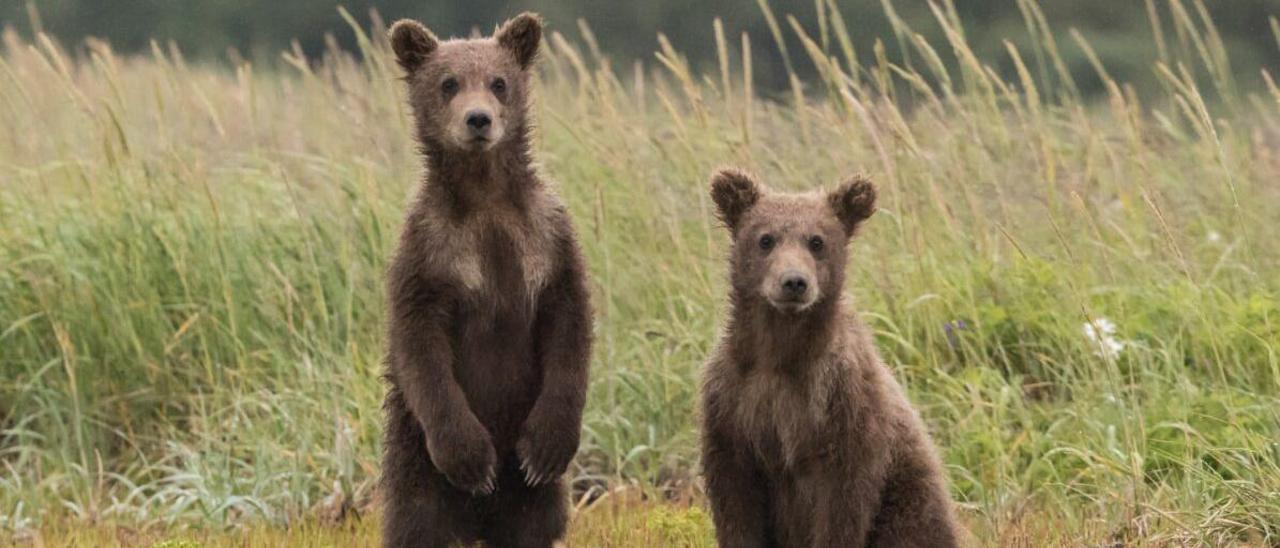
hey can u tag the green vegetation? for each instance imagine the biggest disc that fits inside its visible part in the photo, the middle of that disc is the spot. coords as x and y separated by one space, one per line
1119 32
191 262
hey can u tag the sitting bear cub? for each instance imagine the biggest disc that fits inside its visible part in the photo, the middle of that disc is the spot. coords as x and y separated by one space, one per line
807 440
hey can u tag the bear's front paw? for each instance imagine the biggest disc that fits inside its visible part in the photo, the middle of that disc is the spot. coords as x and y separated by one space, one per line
545 452
466 457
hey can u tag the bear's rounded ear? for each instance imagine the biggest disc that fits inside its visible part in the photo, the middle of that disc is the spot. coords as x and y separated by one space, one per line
734 193
412 42
853 202
521 37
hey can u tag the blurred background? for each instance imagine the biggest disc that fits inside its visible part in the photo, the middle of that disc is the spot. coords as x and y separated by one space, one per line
1120 30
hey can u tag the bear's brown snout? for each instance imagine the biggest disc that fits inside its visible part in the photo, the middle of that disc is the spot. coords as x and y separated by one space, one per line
794 285
479 122
790 283
477 119
479 125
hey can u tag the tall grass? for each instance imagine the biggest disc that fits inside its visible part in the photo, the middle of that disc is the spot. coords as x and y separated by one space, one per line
191 262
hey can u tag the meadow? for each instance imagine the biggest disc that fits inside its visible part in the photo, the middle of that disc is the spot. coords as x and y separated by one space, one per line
1081 294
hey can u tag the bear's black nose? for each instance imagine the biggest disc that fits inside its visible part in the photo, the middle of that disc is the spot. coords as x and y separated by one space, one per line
795 286
478 120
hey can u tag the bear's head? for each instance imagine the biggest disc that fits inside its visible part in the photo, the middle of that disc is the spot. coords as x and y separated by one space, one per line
789 250
468 95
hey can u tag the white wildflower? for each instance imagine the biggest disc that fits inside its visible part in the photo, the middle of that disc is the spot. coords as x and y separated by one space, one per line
1102 333
1214 237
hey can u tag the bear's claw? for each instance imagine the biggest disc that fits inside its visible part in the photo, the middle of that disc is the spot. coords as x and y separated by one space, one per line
541 464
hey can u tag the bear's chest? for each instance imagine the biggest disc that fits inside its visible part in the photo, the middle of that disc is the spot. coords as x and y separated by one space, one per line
505 261
508 259
780 419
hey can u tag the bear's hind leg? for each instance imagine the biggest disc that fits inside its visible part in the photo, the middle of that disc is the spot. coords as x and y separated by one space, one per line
425 520
530 517
915 509
419 507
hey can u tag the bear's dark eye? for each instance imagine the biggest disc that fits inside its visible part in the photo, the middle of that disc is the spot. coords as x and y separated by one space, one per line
450 85
767 241
499 85
816 243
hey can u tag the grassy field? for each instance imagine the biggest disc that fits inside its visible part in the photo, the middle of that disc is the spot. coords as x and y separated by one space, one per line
1081 295
613 524
607 526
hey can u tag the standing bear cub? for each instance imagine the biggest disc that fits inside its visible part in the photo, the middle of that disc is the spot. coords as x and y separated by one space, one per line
807 438
489 320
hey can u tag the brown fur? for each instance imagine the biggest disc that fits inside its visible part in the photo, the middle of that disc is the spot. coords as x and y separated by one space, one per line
489 320
807 438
